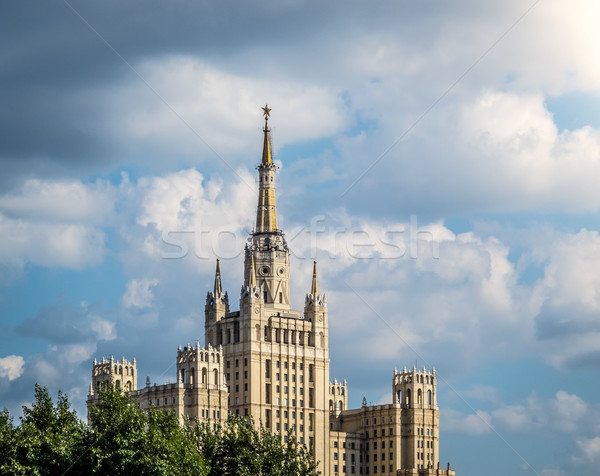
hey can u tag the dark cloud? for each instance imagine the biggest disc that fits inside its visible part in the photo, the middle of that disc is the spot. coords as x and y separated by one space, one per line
558 321
62 323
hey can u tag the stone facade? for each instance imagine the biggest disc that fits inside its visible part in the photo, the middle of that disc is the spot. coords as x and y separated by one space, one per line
271 362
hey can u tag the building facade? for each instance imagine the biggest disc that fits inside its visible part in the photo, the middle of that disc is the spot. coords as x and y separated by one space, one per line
271 362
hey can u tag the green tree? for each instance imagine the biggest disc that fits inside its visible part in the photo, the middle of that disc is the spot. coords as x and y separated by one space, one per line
126 440
122 440
48 439
237 447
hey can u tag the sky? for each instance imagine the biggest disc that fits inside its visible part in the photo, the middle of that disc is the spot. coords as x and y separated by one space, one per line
440 161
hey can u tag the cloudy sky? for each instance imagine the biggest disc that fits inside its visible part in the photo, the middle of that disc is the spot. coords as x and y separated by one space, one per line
439 159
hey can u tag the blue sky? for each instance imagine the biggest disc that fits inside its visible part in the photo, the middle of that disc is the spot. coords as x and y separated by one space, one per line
440 161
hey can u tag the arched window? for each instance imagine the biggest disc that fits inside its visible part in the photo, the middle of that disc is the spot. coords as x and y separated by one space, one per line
129 386
118 383
204 377
192 375
216 376
429 397
340 405
399 396
408 397
419 397
330 405
182 375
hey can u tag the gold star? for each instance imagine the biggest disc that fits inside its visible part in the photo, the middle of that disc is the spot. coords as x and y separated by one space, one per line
267 110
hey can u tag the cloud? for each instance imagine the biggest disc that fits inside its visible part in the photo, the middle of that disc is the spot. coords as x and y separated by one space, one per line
208 109
68 324
55 223
590 447
565 413
60 201
139 293
11 367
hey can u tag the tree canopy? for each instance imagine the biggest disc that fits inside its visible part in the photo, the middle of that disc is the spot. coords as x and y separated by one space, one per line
123 439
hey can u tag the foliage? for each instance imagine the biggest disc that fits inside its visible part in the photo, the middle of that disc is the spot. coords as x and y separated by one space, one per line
123 439
237 447
48 440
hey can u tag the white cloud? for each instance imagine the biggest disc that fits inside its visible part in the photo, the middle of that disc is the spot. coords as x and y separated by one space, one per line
11 367
590 447
55 223
472 424
105 330
564 413
219 106
60 201
139 293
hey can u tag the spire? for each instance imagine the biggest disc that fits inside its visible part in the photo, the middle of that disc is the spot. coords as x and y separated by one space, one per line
267 158
252 280
218 290
315 283
266 216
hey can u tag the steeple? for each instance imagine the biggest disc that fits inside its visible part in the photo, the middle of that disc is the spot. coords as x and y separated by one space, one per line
217 289
266 215
315 283
266 156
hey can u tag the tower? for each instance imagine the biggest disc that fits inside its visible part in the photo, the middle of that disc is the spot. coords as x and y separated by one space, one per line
217 305
121 373
276 358
415 391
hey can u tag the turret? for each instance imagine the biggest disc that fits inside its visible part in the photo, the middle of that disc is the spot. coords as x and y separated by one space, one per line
217 305
315 310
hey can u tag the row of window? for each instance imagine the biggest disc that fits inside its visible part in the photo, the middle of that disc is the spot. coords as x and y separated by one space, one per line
420 444
383 467
391 445
288 336
382 434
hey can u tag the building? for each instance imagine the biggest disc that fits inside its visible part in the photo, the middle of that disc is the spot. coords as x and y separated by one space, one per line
271 362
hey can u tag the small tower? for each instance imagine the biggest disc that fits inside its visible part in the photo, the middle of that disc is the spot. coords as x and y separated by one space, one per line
217 305
315 310
416 392
122 374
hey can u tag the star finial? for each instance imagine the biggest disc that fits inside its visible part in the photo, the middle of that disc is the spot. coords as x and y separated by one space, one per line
267 111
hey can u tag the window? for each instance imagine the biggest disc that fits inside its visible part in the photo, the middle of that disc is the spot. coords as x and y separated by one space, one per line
237 362
335 456
228 364
245 362
280 298
268 368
